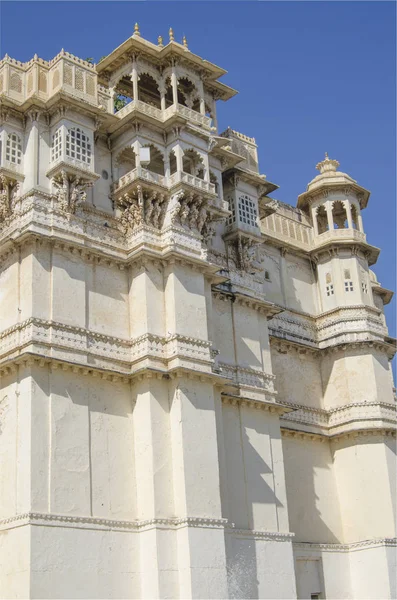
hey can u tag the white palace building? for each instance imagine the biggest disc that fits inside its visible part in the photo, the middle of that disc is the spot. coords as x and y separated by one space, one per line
196 398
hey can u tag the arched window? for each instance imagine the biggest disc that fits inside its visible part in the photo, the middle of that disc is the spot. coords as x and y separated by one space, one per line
354 217
148 90
214 180
14 149
339 215
193 163
56 147
187 92
173 165
78 146
156 164
322 220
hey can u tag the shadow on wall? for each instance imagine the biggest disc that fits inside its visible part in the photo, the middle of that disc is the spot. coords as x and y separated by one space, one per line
257 503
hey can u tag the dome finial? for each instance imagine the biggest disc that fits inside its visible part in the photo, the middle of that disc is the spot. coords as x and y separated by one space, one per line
171 34
328 164
160 41
136 29
184 41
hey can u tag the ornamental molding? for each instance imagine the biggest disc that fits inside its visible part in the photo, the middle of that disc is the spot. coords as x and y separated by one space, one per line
362 435
271 536
351 547
60 340
264 405
134 526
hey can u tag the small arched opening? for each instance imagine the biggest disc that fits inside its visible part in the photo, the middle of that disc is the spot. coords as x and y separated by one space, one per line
214 180
173 163
322 220
187 92
148 90
193 163
169 99
126 161
124 93
339 215
156 163
354 212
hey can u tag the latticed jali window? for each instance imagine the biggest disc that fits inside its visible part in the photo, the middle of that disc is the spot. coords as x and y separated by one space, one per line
78 146
56 148
14 149
247 211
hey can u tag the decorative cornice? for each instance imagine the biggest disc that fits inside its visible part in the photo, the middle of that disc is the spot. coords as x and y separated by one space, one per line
271 536
346 435
351 547
135 526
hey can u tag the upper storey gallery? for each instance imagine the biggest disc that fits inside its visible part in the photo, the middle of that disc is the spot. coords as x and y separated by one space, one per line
160 81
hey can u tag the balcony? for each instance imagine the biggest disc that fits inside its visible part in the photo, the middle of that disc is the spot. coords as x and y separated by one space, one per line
139 107
187 113
340 234
11 170
195 182
77 167
139 173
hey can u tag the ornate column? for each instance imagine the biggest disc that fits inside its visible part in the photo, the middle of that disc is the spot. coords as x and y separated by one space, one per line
167 170
314 220
202 102
174 84
162 97
348 209
330 218
134 78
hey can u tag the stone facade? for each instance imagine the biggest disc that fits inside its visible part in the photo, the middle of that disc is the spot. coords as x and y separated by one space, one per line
196 398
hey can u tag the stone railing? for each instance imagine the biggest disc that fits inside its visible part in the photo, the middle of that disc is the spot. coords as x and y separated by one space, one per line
139 106
139 173
350 234
6 164
189 114
164 115
182 177
282 228
73 162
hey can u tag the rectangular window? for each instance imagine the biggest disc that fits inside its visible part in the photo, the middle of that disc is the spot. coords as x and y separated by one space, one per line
364 287
330 289
247 211
348 286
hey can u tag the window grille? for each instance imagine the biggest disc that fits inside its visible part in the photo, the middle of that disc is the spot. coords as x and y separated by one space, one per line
14 149
364 287
348 286
247 211
77 145
232 218
56 148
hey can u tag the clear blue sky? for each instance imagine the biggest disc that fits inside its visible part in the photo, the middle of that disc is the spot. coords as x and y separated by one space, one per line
312 77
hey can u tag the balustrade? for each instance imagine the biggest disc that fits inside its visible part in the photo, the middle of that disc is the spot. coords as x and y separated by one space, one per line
173 180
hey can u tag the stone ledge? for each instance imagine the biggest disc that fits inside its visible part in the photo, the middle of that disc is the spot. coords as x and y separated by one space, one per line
351 547
54 520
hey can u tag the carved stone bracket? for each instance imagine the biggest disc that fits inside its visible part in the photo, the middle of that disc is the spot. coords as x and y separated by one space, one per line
243 252
142 207
8 190
70 190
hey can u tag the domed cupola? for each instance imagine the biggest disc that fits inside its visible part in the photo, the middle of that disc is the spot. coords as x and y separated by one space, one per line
334 201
